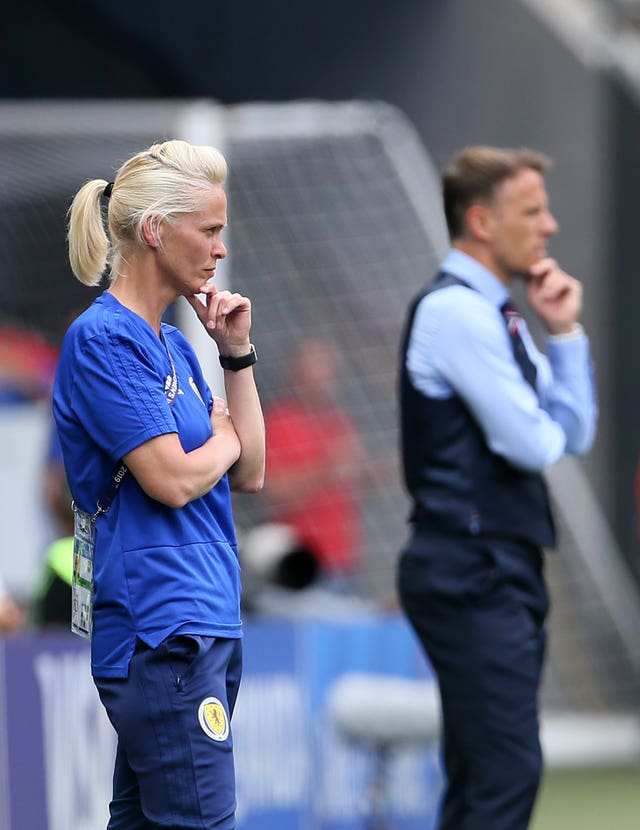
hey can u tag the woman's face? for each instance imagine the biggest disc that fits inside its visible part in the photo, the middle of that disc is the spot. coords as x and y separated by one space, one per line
191 249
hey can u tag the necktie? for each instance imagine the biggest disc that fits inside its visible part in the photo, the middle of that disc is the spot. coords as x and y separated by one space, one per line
514 321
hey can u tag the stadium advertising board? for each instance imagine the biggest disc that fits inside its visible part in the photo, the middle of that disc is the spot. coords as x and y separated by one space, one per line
294 768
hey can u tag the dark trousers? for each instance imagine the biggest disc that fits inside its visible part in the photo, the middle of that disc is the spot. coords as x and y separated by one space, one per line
174 760
478 606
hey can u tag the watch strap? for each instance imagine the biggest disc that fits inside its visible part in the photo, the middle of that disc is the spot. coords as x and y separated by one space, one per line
234 364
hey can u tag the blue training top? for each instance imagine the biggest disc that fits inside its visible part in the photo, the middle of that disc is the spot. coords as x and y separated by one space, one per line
157 569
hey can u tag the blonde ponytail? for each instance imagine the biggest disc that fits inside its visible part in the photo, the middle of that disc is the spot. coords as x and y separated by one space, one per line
88 242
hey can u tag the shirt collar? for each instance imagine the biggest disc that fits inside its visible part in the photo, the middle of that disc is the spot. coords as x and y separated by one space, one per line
476 275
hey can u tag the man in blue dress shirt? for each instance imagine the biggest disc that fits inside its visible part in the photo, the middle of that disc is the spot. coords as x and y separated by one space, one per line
483 412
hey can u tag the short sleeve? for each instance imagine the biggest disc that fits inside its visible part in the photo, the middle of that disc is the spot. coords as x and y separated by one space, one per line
119 392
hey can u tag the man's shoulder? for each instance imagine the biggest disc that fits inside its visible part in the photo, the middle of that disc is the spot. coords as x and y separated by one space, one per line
456 301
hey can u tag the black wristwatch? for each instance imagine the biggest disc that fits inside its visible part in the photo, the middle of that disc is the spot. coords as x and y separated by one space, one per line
234 364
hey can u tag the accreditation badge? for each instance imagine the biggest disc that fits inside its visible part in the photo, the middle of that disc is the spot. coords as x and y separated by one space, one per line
84 536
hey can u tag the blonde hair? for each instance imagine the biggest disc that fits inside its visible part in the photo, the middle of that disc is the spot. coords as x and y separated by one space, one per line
164 183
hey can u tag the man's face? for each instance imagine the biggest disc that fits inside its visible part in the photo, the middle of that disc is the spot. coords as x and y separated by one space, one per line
519 224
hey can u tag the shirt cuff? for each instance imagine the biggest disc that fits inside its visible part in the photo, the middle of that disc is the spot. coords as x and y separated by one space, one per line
576 331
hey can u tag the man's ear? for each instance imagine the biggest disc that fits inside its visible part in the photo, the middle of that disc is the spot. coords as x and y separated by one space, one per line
150 231
479 221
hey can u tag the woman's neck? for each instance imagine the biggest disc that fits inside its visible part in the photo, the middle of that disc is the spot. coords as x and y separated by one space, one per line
140 290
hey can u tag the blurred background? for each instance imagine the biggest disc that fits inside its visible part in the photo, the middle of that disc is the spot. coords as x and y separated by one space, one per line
336 119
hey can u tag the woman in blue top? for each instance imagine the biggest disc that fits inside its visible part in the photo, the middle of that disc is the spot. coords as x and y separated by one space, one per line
165 650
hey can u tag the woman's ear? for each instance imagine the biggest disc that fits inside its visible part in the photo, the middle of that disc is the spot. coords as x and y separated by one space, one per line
150 231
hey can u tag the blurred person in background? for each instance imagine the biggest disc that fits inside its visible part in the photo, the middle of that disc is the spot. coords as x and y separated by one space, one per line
51 605
27 365
315 461
51 602
483 412
144 439
12 617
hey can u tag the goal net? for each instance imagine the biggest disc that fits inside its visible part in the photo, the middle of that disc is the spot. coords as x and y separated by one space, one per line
334 224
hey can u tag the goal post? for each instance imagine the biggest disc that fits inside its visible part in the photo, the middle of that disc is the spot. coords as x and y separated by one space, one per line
335 222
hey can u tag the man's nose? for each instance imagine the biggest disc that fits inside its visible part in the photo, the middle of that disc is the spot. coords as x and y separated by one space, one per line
551 227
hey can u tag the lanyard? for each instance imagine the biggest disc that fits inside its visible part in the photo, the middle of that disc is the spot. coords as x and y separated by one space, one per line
84 545
106 500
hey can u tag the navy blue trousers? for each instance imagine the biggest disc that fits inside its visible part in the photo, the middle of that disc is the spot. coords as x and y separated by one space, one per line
478 606
174 760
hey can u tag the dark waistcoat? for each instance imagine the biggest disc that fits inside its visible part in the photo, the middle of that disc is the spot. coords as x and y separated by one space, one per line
458 485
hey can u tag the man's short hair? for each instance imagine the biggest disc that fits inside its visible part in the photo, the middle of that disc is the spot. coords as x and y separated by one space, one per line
474 173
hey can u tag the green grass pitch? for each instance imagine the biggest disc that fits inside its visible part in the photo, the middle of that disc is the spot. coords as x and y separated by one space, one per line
589 799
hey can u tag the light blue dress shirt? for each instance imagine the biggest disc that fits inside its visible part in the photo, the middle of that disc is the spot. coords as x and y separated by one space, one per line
459 344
